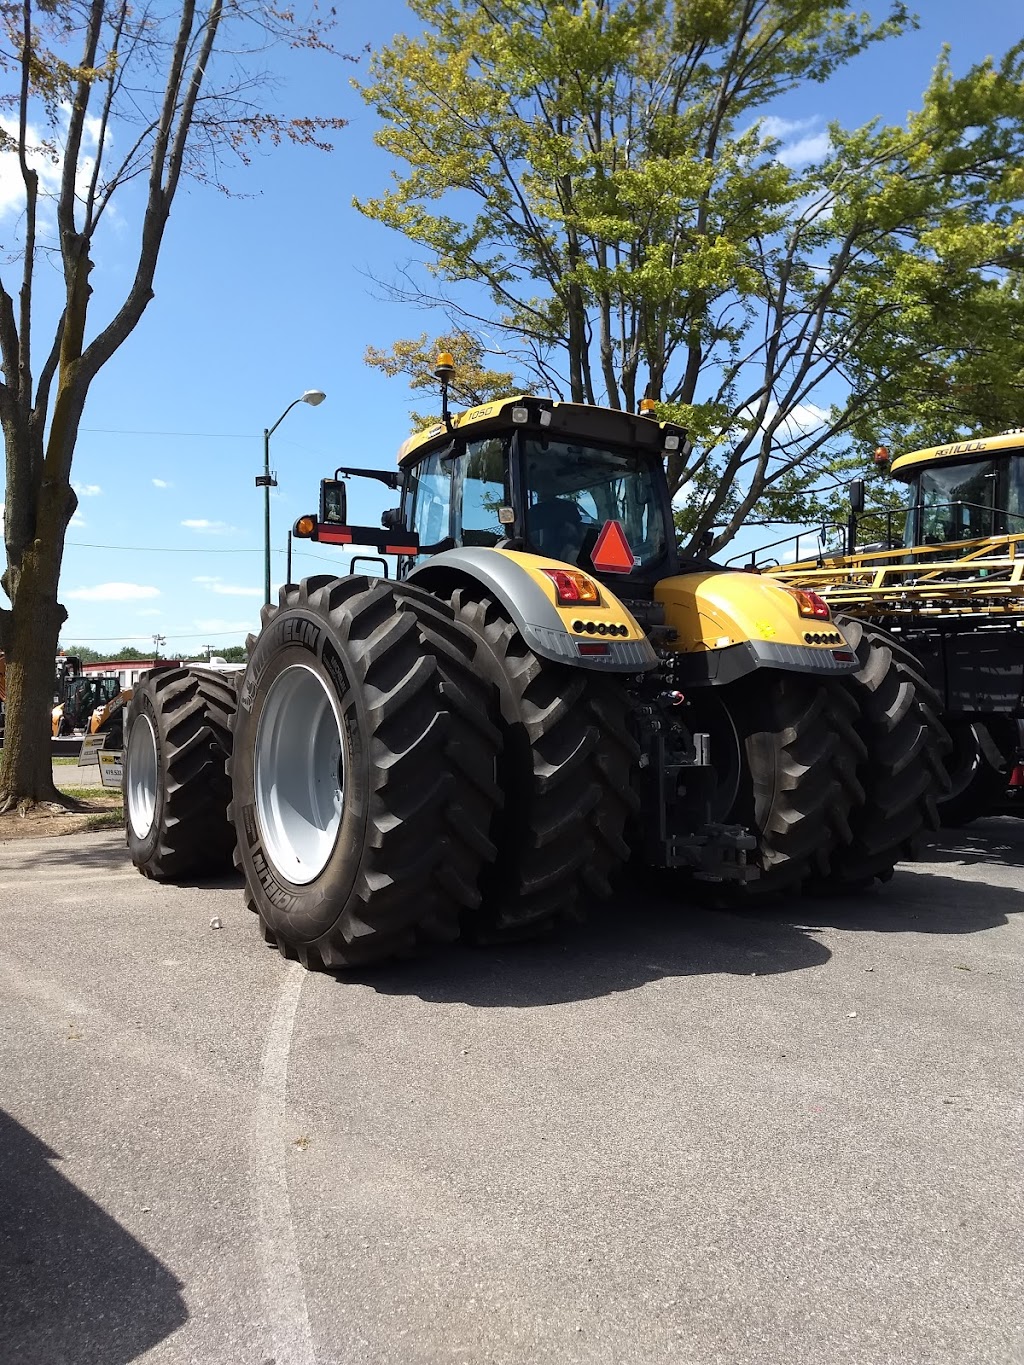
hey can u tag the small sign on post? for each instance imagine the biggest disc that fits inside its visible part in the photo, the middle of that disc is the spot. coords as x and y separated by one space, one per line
88 755
111 771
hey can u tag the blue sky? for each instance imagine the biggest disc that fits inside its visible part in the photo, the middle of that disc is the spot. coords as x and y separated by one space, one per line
262 296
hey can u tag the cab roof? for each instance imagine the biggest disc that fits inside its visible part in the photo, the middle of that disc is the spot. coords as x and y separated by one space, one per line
904 466
584 421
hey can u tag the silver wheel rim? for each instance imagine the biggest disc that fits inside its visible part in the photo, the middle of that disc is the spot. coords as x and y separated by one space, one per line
141 776
299 774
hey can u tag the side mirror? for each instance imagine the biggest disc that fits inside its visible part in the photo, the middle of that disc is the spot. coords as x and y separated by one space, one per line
333 502
857 496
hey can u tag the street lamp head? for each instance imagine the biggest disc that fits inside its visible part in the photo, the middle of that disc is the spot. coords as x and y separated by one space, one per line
313 397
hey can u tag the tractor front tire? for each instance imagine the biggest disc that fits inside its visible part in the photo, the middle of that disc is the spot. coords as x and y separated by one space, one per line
363 772
902 770
566 769
176 792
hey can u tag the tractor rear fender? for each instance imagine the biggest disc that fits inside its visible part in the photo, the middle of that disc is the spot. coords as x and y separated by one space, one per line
602 636
729 623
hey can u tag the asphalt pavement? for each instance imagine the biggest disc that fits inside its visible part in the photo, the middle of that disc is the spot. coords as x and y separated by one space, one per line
678 1135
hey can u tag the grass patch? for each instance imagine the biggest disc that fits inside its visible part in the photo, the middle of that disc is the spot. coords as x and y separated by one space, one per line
91 793
64 762
109 819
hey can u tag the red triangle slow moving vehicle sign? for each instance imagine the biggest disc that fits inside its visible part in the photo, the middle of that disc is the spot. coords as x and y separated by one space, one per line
612 554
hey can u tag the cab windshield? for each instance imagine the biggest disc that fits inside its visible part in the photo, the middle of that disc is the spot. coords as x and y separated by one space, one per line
573 490
967 501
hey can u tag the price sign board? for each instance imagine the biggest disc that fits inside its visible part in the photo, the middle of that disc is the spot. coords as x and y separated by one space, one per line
111 771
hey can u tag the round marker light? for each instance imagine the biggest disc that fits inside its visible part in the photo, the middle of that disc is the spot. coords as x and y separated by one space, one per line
305 526
520 415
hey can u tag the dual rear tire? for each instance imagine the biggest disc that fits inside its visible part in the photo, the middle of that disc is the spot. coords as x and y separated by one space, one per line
838 779
354 786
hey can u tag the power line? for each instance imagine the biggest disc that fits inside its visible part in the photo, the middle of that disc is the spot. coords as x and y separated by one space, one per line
196 550
206 435
174 635
171 549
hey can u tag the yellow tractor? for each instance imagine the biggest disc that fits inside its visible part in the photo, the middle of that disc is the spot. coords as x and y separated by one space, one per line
945 576
544 690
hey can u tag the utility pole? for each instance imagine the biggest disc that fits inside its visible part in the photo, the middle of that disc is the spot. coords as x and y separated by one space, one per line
158 640
267 481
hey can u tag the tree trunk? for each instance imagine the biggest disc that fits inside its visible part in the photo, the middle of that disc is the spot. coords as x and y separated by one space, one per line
26 772
31 632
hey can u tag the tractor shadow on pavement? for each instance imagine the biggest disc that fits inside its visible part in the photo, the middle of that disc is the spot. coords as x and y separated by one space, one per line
643 936
912 903
625 945
999 842
77 1287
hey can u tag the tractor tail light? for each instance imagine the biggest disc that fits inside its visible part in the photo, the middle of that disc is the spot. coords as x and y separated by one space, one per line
1017 776
573 588
810 604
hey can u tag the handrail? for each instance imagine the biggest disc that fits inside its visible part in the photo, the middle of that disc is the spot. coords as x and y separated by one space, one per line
820 532
987 574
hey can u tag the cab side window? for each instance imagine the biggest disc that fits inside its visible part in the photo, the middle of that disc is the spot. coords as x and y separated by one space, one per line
480 492
430 495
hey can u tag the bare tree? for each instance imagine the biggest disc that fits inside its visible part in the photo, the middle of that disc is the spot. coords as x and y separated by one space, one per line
123 93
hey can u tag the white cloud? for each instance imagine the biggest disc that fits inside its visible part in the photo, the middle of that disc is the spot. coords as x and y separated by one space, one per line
49 171
87 490
218 528
228 589
781 128
812 146
162 483
216 625
78 521
113 592
803 418
808 149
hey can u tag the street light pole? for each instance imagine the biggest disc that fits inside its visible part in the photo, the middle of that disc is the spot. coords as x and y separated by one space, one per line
266 480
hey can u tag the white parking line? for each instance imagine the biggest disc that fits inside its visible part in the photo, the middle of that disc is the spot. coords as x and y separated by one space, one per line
284 1296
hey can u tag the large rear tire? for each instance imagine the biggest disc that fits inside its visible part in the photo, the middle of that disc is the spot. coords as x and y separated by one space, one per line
566 770
786 754
902 770
176 792
363 773
979 775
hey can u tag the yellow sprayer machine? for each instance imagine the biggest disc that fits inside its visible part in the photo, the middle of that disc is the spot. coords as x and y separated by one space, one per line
945 576
543 692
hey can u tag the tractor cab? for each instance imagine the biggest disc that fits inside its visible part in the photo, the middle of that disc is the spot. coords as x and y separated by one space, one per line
969 490
579 485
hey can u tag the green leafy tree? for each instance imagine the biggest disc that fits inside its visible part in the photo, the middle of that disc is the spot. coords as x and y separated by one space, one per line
99 97
598 184
472 383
